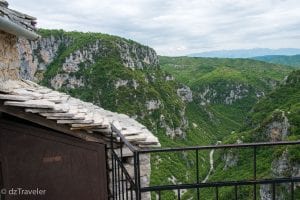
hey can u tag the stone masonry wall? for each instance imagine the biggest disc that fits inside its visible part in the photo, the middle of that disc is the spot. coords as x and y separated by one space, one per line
9 57
128 161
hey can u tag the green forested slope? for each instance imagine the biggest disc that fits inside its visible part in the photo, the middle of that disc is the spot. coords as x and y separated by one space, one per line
225 88
105 79
284 60
192 70
212 80
275 117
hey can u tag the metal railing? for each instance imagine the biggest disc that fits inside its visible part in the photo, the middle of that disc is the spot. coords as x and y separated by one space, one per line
137 190
122 186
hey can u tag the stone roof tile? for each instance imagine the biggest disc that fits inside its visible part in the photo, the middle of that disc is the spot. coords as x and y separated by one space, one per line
76 114
17 17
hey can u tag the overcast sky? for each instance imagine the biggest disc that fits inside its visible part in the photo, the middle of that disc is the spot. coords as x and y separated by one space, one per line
177 27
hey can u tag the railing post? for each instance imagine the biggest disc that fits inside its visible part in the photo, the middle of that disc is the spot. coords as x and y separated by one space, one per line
137 176
107 171
112 166
122 177
197 172
254 171
292 190
273 191
236 192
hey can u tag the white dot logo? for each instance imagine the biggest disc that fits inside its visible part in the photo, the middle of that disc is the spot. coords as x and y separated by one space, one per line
3 191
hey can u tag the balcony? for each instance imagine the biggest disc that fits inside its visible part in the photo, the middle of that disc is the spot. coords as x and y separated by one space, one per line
125 186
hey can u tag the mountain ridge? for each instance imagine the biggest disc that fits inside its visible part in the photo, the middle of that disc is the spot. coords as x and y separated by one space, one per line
246 53
293 61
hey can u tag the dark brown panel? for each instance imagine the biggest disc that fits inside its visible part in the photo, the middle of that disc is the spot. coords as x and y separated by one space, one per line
1 183
66 167
1 178
19 113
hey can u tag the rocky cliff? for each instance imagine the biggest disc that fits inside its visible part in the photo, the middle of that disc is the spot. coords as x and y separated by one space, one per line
118 74
224 92
36 56
276 118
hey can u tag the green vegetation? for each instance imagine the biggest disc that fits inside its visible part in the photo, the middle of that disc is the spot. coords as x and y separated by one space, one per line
237 121
225 89
224 93
190 70
284 99
281 107
100 79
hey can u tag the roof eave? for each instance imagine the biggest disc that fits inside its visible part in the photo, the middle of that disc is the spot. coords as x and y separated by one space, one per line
15 29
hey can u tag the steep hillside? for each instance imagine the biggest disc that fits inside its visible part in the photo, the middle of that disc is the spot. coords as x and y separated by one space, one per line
123 76
274 118
284 60
271 116
225 89
210 101
224 92
117 74
282 105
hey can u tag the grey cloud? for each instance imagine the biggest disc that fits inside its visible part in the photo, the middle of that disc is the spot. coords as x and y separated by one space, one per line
177 27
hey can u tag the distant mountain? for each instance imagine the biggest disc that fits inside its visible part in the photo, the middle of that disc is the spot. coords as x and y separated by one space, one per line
247 53
284 60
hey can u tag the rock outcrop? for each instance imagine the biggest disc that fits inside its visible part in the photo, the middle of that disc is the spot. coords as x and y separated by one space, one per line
153 104
281 167
136 56
275 128
179 131
230 159
224 94
36 56
185 93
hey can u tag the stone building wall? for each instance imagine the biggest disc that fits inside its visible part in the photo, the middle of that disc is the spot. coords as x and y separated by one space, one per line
9 57
128 162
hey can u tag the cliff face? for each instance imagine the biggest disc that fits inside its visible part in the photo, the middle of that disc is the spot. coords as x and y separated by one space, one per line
36 56
276 118
115 73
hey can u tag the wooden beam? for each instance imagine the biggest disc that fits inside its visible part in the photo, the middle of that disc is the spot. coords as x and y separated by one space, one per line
20 113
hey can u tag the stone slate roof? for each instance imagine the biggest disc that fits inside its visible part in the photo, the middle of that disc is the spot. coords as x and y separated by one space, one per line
19 18
73 113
